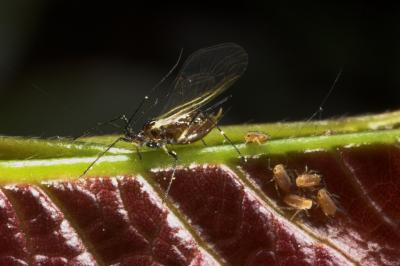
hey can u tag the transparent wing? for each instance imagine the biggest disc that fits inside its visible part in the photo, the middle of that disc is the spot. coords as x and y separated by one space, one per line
204 75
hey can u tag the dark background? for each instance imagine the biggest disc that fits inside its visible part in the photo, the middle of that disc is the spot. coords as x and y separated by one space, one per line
66 65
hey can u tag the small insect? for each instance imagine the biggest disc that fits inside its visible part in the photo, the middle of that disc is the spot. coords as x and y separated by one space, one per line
329 132
204 75
326 202
308 180
298 203
256 137
281 178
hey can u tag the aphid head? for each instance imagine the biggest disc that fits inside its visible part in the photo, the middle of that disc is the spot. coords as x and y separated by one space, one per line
137 139
279 168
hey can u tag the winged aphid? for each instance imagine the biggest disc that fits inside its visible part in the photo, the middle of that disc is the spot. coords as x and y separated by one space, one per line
203 76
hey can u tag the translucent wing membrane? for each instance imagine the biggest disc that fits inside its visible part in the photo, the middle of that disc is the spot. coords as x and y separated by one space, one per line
204 75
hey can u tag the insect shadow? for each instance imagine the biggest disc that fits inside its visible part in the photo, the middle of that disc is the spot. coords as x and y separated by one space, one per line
187 115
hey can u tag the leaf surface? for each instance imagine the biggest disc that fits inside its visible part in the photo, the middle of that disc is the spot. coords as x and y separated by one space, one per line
220 210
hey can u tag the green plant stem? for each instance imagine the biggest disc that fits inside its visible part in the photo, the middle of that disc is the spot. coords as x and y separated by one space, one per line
48 169
17 148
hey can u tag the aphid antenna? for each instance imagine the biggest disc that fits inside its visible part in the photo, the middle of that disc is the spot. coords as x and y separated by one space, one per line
130 121
307 170
87 132
100 124
325 99
54 99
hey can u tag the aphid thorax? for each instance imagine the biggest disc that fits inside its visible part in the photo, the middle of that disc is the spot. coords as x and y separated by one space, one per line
256 137
298 203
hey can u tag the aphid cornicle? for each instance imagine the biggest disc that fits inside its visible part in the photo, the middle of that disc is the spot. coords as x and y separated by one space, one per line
298 203
326 202
204 75
281 178
256 137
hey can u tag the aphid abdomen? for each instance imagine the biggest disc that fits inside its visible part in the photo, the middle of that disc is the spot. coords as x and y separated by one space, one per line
308 180
281 178
199 127
326 202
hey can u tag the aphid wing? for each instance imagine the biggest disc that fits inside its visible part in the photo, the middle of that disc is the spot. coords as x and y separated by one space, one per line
204 75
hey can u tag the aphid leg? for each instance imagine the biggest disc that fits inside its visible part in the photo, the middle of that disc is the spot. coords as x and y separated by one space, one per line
231 143
175 157
269 168
276 188
204 142
295 214
102 154
139 154
272 179
269 164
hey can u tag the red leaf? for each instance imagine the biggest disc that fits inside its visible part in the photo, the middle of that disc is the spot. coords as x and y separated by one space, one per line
214 215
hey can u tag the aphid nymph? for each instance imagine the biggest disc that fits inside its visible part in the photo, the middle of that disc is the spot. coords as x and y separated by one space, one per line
281 178
298 203
204 75
308 179
256 137
326 203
